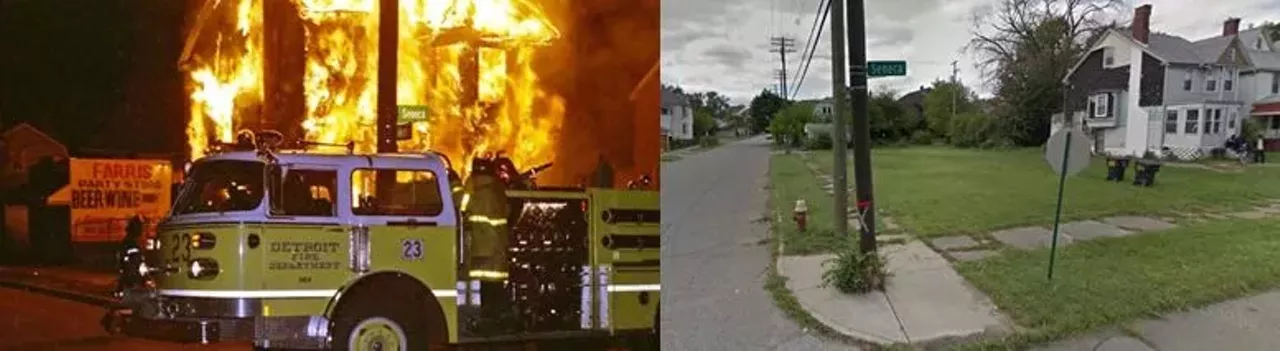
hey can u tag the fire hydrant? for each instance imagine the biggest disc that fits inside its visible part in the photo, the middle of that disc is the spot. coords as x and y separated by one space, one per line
801 215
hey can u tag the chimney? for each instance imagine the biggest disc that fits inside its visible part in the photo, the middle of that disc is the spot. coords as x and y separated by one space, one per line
1231 26
1142 23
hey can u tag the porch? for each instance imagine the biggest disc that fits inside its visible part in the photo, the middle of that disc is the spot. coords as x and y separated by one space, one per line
1267 113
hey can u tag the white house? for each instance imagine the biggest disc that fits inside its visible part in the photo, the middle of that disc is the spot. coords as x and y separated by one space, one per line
677 116
1137 91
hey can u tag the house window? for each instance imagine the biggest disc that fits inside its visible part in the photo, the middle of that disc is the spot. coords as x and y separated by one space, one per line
1210 81
1171 122
1193 121
1186 81
1275 83
1275 122
1226 80
1108 57
1102 105
1231 121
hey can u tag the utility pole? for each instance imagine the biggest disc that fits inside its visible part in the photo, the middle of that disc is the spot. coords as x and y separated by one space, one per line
861 125
838 91
781 76
955 86
388 34
782 46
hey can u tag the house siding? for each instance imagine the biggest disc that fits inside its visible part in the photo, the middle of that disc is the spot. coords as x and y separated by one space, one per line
1091 77
1153 80
1175 95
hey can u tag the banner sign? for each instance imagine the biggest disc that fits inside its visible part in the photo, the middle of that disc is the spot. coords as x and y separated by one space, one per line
105 193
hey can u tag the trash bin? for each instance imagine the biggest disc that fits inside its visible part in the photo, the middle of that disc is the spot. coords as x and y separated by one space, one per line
1116 167
1145 172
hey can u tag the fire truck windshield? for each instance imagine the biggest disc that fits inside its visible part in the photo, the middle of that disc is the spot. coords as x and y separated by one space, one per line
221 186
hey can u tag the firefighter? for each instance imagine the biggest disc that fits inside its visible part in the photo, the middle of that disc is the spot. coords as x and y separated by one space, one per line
130 276
130 255
486 214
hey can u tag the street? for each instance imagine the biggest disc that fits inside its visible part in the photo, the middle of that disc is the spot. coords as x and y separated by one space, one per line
33 321
715 255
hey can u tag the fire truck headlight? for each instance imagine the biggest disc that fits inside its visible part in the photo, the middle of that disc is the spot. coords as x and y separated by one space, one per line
203 241
203 268
143 269
152 244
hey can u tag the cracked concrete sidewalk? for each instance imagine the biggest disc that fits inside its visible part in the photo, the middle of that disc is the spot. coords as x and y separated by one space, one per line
925 302
1250 323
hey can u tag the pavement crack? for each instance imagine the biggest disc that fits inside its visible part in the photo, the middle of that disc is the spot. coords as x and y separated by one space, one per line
894 309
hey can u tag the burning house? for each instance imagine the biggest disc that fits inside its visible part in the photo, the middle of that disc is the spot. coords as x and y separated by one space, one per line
539 81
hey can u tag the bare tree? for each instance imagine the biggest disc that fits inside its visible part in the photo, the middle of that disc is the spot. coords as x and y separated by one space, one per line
1000 32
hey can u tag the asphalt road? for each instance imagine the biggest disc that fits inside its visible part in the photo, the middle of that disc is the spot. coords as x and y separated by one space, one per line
31 321
714 258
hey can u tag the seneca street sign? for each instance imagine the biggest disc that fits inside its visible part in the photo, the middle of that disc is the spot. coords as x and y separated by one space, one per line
411 113
886 68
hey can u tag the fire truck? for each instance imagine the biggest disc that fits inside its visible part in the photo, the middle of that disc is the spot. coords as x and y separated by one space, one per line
301 249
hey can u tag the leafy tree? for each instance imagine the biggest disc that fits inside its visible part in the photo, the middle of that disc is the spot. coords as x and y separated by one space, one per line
1025 47
945 100
763 109
1272 29
788 127
890 121
703 123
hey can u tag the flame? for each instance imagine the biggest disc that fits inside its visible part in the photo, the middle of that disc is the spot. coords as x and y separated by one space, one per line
229 82
446 47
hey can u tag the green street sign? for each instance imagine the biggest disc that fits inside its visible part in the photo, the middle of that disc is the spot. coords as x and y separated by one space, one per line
886 68
411 113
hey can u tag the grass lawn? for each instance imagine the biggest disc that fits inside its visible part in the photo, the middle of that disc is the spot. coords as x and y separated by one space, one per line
792 180
937 191
1108 281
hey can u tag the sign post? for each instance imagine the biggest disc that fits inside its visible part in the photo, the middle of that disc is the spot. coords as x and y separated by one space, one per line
1067 152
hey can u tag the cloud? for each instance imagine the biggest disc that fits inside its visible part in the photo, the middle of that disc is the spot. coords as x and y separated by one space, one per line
730 56
723 45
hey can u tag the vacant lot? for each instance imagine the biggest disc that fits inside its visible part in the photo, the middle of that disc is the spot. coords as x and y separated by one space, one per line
1115 280
935 191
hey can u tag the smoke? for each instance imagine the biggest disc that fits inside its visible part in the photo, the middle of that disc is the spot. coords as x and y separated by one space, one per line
605 54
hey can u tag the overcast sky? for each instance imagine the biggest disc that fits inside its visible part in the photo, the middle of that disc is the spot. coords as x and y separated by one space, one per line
723 45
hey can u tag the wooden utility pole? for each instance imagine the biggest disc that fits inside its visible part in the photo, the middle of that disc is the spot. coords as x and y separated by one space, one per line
861 126
782 46
840 168
388 38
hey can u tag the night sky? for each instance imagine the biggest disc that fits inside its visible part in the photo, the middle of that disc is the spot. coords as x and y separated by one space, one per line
94 74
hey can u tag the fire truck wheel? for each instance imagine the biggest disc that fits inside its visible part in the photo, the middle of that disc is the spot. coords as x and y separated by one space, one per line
370 325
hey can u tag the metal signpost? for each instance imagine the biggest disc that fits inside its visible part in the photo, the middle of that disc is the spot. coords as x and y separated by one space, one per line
1067 152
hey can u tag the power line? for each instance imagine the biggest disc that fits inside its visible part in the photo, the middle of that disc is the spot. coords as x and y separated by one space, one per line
810 43
826 9
782 46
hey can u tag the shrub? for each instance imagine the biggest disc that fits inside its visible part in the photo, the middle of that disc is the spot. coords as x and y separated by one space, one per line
820 141
708 141
921 137
972 129
853 272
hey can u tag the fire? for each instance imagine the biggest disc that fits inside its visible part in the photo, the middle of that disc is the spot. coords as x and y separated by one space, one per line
230 81
471 62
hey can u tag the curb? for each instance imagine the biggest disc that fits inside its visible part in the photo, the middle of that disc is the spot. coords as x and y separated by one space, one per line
80 297
944 342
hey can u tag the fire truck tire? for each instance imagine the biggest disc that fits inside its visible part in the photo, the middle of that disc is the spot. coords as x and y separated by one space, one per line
387 307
